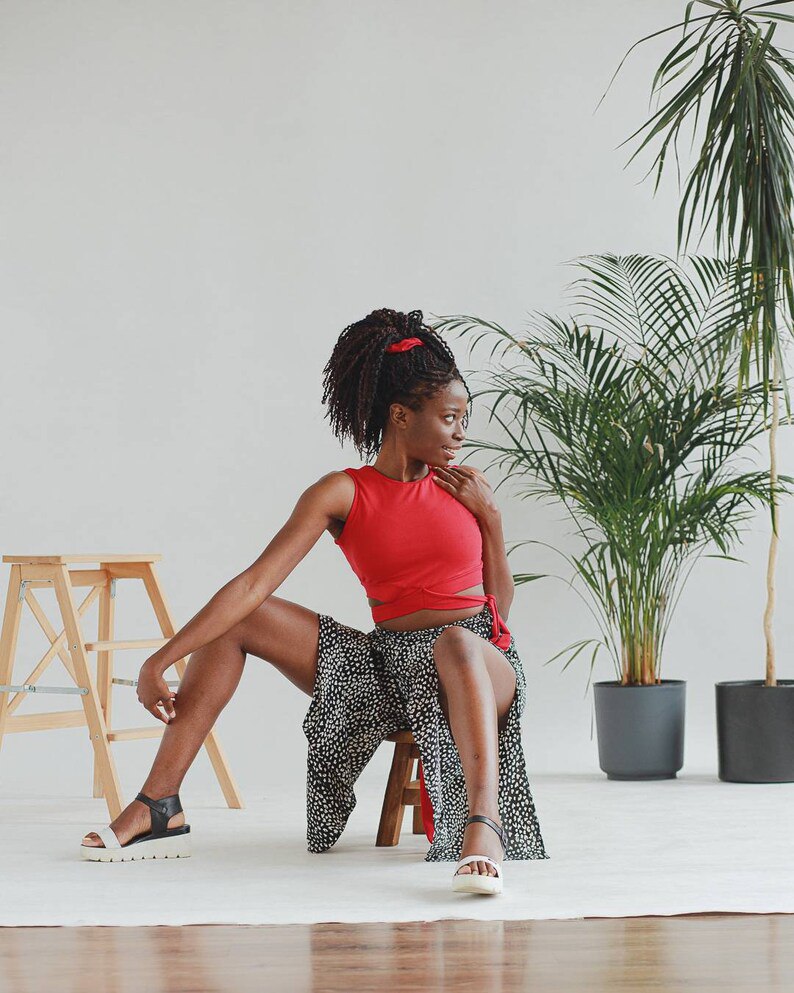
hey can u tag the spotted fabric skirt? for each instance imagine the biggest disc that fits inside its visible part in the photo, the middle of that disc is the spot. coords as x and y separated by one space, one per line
369 685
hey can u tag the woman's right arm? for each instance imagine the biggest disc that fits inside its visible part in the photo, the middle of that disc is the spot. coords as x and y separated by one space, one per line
316 507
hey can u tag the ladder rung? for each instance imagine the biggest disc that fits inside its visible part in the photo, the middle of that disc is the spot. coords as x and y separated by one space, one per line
134 682
45 722
111 646
128 734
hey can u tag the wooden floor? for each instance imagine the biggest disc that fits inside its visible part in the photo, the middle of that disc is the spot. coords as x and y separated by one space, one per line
702 953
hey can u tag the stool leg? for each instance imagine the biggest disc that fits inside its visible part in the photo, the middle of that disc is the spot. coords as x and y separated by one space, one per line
393 810
104 667
213 746
418 823
95 719
8 640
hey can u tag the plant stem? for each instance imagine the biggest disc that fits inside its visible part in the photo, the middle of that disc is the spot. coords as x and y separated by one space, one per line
773 543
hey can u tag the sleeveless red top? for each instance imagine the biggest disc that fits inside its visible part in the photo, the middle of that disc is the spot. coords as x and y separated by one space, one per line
413 546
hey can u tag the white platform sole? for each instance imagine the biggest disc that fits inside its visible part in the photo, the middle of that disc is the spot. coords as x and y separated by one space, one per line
175 847
475 882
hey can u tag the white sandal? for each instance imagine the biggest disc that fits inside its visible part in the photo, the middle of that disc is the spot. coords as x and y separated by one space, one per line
160 843
476 882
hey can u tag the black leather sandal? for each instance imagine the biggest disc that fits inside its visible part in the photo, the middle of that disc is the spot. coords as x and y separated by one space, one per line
161 842
476 882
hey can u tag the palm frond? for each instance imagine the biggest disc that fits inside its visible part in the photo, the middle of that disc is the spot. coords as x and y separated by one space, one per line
628 413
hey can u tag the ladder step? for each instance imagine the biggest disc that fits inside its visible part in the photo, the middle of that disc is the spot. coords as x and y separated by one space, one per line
111 646
129 734
45 722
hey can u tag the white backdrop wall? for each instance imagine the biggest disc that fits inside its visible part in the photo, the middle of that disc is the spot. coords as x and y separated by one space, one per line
196 199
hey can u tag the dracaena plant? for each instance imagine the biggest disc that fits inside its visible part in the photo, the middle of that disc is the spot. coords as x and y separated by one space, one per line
627 412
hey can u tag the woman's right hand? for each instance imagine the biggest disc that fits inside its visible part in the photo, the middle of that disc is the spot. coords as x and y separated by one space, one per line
154 692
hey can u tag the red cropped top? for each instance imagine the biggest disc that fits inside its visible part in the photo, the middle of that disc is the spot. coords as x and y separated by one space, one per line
413 545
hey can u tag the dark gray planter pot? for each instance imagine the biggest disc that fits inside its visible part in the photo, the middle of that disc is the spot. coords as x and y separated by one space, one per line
640 729
755 731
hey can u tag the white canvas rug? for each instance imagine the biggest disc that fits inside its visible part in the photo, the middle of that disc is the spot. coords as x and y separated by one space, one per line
688 845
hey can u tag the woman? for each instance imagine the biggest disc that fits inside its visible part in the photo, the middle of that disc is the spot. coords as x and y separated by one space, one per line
424 536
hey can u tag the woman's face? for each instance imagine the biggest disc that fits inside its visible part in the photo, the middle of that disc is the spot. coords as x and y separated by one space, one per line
435 434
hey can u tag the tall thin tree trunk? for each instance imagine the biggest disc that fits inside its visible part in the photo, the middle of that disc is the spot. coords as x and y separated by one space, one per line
770 569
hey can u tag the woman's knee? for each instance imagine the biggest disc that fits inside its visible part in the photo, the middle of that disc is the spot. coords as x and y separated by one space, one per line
246 633
458 661
456 647
231 643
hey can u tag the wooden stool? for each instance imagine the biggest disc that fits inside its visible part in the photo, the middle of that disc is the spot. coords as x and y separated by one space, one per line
29 572
401 790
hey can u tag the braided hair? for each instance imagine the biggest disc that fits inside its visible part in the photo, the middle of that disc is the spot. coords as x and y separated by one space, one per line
361 380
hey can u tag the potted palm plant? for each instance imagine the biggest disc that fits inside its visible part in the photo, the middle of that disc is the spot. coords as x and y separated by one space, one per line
626 414
736 84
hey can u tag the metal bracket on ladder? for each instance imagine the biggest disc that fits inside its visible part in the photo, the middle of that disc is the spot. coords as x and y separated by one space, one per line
134 682
25 583
32 688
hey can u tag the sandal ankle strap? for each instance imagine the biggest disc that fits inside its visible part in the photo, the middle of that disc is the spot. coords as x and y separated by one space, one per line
491 823
162 810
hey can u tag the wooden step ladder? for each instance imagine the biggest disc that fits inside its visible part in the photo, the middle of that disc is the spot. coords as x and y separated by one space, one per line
29 572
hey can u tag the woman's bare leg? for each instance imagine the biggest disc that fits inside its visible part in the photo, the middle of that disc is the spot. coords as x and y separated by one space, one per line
477 686
278 631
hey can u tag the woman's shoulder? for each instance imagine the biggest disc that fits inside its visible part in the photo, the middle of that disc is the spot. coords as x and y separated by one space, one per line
334 491
336 480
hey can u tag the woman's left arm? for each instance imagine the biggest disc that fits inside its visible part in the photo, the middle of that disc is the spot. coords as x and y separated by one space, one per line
497 577
470 486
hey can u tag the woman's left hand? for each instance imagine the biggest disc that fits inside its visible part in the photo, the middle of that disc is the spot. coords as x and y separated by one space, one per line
468 485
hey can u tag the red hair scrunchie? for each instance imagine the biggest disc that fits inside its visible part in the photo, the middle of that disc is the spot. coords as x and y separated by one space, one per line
404 344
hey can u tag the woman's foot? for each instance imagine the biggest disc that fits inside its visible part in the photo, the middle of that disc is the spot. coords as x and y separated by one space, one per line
481 839
135 819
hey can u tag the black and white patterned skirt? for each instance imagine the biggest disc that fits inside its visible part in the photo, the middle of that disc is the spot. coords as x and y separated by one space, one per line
369 685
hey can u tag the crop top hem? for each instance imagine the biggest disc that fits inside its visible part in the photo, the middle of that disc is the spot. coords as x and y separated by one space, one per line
425 598
500 633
